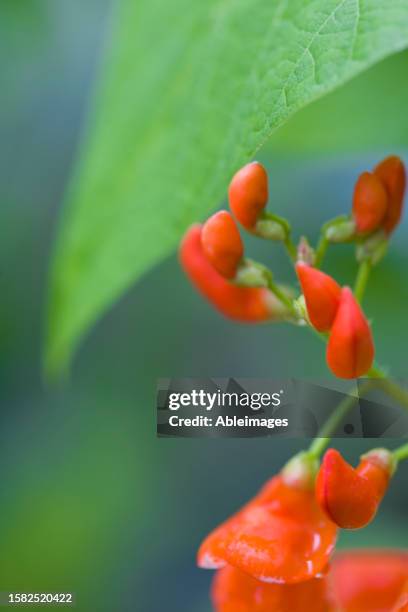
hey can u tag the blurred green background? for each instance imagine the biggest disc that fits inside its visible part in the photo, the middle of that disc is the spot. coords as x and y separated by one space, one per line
91 501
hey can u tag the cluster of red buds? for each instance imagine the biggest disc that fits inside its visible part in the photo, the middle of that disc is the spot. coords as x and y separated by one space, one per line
276 553
212 256
330 308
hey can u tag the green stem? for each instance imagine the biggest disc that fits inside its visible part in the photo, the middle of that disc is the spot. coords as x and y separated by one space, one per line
323 438
376 372
287 241
321 250
290 248
400 394
281 295
401 453
395 391
363 275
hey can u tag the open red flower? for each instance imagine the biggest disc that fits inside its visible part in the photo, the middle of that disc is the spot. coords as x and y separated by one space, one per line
356 581
222 244
369 580
322 296
402 603
280 536
246 304
248 194
391 172
235 591
350 349
350 497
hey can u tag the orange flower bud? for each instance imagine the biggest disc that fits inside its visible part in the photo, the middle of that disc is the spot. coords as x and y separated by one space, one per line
222 244
391 172
248 193
350 497
369 581
370 203
322 296
246 304
236 591
350 349
280 536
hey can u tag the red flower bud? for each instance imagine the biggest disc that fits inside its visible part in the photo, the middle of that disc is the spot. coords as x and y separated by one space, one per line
222 244
248 193
350 497
280 536
322 296
235 591
350 349
391 172
369 581
246 304
370 203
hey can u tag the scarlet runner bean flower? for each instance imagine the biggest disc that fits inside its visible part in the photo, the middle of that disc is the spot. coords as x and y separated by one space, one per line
322 296
370 203
369 580
402 603
350 349
236 591
350 497
280 536
222 244
357 581
391 172
248 194
245 304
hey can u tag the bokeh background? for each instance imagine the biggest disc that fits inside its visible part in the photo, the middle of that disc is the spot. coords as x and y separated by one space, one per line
90 500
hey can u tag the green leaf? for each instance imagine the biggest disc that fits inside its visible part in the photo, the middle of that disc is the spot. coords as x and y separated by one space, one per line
362 115
190 91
